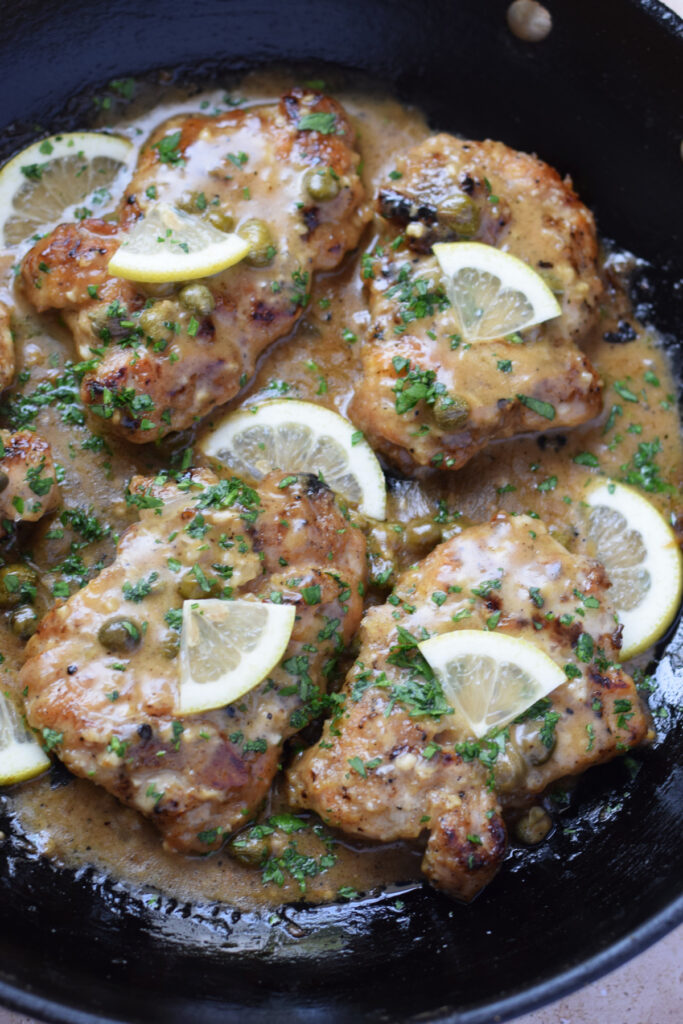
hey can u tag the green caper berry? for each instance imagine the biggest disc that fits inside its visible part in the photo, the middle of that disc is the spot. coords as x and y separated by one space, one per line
196 298
459 213
170 646
533 826
220 219
23 621
119 635
248 850
187 202
261 248
107 326
190 590
322 184
154 319
14 581
423 533
451 412
531 746
4 480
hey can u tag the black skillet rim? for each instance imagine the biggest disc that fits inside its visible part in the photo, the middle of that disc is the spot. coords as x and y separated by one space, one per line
507 1009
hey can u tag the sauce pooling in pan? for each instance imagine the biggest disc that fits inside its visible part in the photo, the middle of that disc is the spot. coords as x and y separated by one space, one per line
330 353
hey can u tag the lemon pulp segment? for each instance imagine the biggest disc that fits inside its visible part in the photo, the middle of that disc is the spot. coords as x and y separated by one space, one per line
490 678
63 177
301 437
171 245
227 648
492 293
643 561
21 756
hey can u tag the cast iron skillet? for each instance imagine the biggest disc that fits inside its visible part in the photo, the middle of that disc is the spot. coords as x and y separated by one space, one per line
600 99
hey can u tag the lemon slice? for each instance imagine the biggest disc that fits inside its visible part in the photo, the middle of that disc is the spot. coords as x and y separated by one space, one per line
64 177
642 558
490 678
171 245
227 648
301 437
21 757
491 292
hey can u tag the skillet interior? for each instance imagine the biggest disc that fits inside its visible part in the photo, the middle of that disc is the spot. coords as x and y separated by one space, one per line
610 879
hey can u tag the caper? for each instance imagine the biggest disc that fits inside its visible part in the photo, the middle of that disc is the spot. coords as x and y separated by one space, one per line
220 219
510 769
196 298
154 320
170 645
423 533
106 326
249 849
261 249
533 826
190 589
119 634
4 480
459 213
23 621
17 584
451 412
191 202
322 184
530 745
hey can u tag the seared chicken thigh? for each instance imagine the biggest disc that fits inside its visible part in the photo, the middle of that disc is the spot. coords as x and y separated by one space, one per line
6 348
398 763
426 396
450 189
28 484
286 175
102 672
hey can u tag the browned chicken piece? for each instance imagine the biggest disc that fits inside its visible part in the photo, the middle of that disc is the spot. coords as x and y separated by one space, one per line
102 671
453 189
6 348
28 485
426 397
285 174
397 764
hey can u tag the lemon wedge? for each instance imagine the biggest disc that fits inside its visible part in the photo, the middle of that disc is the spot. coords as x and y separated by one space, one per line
642 558
227 648
490 678
492 293
301 437
64 177
21 757
171 245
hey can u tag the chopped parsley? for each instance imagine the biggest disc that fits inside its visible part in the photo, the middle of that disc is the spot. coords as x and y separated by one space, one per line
416 386
136 592
324 123
168 151
544 409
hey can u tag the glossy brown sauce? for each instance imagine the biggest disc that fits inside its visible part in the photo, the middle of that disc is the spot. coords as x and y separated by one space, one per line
79 824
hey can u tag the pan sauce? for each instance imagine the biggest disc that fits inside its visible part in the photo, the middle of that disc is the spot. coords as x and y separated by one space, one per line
78 823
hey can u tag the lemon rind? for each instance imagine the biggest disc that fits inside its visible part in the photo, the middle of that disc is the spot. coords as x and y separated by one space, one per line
443 648
454 256
362 459
116 147
644 625
159 268
254 667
